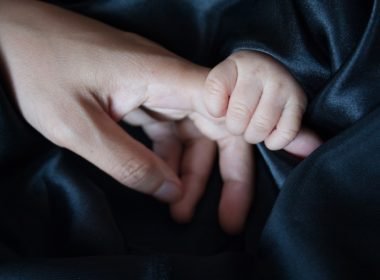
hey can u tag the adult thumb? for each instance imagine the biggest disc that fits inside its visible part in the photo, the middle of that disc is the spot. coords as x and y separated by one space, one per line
95 136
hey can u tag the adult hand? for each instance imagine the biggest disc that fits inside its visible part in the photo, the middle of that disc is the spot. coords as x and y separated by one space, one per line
73 78
184 148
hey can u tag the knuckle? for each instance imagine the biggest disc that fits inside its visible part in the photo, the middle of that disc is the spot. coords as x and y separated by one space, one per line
252 138
134 173
261 124
287 134
240 111
215 86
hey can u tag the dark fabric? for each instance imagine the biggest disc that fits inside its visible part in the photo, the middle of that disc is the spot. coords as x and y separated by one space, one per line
61 218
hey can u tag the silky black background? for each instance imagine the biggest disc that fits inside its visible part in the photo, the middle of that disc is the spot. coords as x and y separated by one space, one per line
61 218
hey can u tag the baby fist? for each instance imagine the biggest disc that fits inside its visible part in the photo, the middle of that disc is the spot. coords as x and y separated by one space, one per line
259 98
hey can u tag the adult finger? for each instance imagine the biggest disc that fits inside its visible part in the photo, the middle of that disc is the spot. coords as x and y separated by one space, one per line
304 144
196 165
165 143
237 170
177 93
91 133
162 133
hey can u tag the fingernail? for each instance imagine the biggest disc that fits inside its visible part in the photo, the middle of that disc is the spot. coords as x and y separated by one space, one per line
168 192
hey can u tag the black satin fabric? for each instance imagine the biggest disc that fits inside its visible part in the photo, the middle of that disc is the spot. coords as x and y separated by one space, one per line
61 218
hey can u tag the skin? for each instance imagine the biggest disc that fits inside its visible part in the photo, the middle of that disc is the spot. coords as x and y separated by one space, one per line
74 78
259 98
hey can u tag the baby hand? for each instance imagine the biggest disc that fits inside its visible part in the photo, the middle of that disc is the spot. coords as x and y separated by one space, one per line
259 98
